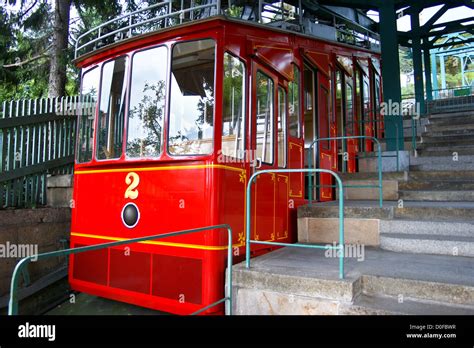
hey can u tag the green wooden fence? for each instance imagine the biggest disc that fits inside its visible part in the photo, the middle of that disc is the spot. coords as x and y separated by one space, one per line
36 140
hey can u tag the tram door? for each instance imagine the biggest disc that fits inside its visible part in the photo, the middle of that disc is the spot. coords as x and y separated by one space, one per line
268 126
318 119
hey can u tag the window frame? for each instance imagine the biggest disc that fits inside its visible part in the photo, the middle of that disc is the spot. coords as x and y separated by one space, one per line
300 105
168 91
284 127
78 142
168 99
127 93
244 106
273 123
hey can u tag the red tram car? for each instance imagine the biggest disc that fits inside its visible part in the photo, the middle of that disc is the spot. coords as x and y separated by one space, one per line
180 117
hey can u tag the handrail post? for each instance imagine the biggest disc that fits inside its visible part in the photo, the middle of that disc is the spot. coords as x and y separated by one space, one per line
248 230
13 301
228 288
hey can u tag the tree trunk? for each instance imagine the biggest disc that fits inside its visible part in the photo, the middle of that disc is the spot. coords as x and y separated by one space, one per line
57 70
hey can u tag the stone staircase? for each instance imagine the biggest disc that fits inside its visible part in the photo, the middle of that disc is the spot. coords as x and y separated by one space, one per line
441 182
420 243
431 207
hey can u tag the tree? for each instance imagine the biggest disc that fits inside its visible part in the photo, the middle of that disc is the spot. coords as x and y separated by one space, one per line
59 46
38 62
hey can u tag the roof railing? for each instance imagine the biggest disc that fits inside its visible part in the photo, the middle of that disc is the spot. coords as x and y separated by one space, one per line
289 15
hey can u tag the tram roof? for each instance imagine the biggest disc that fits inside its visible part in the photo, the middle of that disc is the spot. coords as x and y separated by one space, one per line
294 17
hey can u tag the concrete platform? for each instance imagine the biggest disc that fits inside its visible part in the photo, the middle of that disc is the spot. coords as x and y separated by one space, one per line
302 281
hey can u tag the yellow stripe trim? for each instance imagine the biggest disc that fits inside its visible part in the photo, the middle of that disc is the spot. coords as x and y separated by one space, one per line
150 242
152 169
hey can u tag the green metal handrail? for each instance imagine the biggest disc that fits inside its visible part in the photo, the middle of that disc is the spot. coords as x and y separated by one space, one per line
340 247
13 303
341 192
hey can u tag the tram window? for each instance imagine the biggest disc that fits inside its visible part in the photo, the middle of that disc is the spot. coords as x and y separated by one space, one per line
233 115
308 89
366 101
88 106
325 127
377 94
359 107
265 118
339 107
191 123
112 109
294 104
350 109
147 103
282 143
377 125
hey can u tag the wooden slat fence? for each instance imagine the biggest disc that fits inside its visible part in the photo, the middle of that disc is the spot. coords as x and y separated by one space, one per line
36 139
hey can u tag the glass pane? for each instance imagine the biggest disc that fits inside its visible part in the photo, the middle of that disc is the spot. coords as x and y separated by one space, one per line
339 109
87 109
281 128
377 125
111 109
350 109
366 100
325 118
147 103
233 115
359 109
192 98
294 103
265 118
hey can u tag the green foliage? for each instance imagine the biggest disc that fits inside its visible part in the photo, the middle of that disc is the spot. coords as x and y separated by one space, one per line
406 61
26 39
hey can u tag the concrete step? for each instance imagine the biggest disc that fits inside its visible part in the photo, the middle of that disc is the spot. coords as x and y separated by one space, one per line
452 185
463 132
411 210
405 288
437 195
437 152
446 140
441 166
428 244
415 227
450 115
466 119
402 177
447 127
439 161
445 149
374 176
388 305
467 175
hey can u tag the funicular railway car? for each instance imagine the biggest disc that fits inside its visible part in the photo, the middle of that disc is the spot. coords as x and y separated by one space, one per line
181 115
